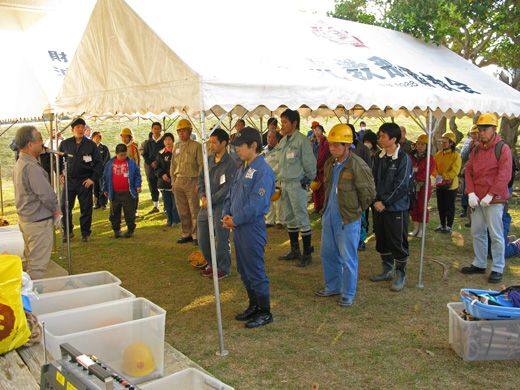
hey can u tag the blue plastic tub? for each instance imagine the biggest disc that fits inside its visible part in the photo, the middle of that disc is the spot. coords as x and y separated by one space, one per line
490 312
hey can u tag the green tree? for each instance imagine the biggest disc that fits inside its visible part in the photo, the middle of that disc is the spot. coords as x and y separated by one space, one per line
485 32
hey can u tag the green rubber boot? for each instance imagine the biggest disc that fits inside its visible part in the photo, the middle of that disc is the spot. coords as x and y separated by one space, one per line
388 270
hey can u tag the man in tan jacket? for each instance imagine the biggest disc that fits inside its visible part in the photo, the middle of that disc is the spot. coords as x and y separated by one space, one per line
184 170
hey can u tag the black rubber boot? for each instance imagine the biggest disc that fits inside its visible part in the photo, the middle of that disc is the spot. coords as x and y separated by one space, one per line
252 309
307 257
400 269
388 269
295 253
263 316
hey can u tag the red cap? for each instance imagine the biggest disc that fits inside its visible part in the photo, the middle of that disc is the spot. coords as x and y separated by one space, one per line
314 124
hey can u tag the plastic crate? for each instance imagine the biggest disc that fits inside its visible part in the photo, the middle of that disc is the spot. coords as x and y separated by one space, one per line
483 340
72 299
11 240
188 379
107 329
490 312
72 282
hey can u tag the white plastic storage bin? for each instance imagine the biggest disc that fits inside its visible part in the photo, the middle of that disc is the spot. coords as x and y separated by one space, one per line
126 334
188 379
483 340
72 299
11 240
72 282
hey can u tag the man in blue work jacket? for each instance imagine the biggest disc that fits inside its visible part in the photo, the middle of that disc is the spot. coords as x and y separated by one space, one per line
246 204
296 170
349 189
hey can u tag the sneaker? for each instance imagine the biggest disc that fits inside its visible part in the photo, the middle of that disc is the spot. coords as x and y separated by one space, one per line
207 272
118 234
195 242
447 230
325 293
440 229
97 207
155 210
85 238
184 240
463 214
511 239
473 270
345 302
495 277
167 224
128 234
278 226
269 225
468 224
71 235
103 207
362 246
221 275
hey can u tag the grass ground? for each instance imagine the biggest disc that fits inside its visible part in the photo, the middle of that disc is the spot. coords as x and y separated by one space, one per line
384 341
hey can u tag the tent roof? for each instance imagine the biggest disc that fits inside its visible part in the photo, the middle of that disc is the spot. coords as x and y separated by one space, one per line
140 57
38 38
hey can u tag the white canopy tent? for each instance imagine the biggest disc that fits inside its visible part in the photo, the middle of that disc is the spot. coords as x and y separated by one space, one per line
162 56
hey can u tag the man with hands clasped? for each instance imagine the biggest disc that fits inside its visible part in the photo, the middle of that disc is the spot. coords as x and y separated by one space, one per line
487 173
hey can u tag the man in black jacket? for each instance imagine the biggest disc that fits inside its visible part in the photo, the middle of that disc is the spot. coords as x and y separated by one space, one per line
392 172
99 196
84 168
151 148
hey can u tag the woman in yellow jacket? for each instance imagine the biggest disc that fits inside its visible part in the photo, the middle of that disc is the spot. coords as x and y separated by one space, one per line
447 168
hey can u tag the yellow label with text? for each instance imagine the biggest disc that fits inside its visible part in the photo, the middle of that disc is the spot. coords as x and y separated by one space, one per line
60 378
70 387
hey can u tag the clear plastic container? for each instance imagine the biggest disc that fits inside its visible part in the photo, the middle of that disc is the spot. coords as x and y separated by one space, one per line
72 299
188 379
72 282
106 330
483 340
11 240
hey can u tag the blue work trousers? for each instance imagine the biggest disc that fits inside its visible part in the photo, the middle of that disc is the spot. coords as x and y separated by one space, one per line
172 216
250 240
484 220
339 245
223 249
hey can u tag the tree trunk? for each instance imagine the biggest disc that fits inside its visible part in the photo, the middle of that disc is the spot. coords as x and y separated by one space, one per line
509 132
436 145
455 130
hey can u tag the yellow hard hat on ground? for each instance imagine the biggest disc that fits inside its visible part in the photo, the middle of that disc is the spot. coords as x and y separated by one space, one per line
474 129
423 138
277 193
138 359
449 135
183 124
197 260
486 120
127 131
315 185
341 133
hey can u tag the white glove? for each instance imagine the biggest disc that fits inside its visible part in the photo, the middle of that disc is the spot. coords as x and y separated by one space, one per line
438 179
486 200
473 200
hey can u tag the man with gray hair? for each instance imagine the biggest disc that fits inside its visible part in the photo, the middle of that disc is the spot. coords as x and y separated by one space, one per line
36 202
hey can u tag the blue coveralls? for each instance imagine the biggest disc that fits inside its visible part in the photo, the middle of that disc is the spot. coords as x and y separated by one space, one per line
339 245
249 198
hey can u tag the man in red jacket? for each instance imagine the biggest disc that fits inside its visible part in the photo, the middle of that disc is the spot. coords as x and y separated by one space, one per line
487 173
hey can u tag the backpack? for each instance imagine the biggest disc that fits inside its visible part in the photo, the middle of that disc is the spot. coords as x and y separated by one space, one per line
498 152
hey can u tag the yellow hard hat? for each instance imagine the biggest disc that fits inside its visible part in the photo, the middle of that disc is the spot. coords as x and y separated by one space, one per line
277 193
486 120
278 128
183 124
474 129
315 185
127 131
197 260
138 360
450 136
423 138
341 133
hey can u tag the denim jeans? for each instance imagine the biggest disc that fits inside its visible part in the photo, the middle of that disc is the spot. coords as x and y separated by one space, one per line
172 216
223 249
484 220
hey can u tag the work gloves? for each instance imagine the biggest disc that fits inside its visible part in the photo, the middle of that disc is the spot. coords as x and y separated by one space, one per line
473 200
486 200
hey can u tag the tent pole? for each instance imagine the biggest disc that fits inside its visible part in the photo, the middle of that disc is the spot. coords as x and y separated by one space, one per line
222 351
427 184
